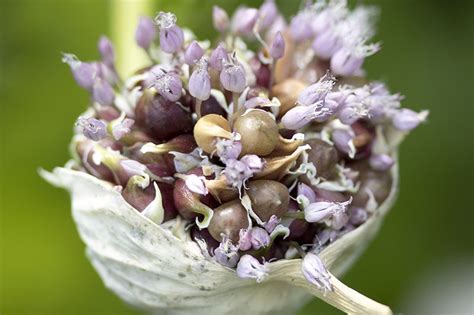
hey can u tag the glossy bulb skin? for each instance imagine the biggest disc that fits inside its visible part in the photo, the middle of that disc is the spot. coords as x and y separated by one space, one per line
259 132
229 218
162 119
268 197
324 156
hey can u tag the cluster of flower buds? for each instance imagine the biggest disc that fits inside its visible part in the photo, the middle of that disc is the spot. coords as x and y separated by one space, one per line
268 154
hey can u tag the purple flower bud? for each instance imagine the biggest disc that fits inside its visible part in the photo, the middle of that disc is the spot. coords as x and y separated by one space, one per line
268 13
352 113
146 32
256 102
218 55
244 20
92 128
316 273
271 224
168 85
250 268
122 128
233 75
133 168
321 22
193 53
260 238
103 93
84 73
200 82
300 116
316 92
345 63
322 210
326 44
381 162
171 35
343 140
106 50
228 149
253 162
308 192
331 107
300 27
245 239
220 19
196 184
406 119
227 253
277 49
339 220
237 173
358 216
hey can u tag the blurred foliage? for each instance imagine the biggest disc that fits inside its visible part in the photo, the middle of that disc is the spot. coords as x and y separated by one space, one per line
427 55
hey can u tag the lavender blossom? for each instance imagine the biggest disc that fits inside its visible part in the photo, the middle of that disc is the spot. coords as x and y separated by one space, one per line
106 50
406 119
121 128
218 55
271 224
277 49
316 273
250 268
300 116
244 20
300 26
200 81
227 253
220 19
103 93
316 92
233 75
237 172
259 238
245 239
84 73
193 53
326 44
267 14
343 141
168 85
196 184
381 162
92 128
145 33
171 35
323 210
228 149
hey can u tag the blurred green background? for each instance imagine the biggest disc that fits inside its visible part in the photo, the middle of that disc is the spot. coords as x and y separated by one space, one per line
427 55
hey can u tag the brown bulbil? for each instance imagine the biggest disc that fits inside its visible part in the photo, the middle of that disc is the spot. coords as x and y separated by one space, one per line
324 156
259 132
268 197
228 219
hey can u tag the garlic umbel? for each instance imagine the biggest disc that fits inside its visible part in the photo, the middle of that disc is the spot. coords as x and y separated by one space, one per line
220 176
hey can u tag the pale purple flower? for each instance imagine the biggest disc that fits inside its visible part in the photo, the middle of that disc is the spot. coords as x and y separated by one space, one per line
171 35
316 273
253 162
84 73
259 238
316 92
218 55
244 20
245 239
103 93
106 50
232 75
227 253
357 216
193 53
200 81
220 19
323 210
277 49
146 32
381 162
271 224
131 168
122 128
168 84
300 26
196 184
237 172
326 44
268 12
352 113
406 119
342 139
228 149
256 102
300 116
92 128
250 268
307 192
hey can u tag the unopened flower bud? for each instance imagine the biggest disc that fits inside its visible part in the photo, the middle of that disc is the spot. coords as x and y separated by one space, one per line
227 253
245 239
343 141
326 44
92 128
277 49
106 50
316 92
406 119
322 210
84 73
220 19
218 55
357 216
271 224
300 27
200 82
103 93
146 32
250 268
316 273
171 35
169 85
233 75
244 20
381 162
193 53
260 238
345 63
268 12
